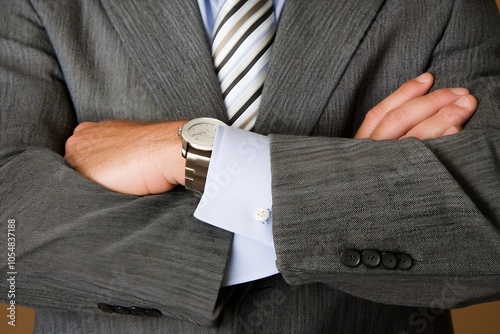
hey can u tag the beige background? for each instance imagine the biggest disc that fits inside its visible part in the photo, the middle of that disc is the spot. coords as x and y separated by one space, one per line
478 319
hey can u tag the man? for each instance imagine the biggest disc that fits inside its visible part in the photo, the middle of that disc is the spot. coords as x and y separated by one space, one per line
84 250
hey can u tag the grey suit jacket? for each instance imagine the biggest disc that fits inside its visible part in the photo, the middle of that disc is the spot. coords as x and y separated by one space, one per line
79 245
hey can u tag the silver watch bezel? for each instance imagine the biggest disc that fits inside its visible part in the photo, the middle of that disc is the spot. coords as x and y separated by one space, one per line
188 139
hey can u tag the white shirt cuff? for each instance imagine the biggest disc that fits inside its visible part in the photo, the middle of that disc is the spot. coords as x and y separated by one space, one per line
237 198
237 194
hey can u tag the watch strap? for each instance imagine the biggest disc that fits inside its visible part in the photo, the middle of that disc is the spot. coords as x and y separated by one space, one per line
197 162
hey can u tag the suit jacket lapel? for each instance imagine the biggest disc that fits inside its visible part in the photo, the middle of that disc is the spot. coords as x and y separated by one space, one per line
314 43
167 42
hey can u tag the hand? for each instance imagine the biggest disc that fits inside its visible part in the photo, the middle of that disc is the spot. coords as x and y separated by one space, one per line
410 112
128 157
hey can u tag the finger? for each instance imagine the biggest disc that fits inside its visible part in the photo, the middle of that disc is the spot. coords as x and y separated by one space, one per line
453 130
408 91
82 126
448 120
402 119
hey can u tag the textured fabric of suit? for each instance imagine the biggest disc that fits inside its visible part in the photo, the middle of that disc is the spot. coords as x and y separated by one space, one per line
438 200
64 62
266 306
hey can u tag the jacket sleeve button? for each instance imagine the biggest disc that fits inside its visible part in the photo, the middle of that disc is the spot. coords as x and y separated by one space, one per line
105 308
137 311
350 258
122 310
152 313
370 258
389 260
405 261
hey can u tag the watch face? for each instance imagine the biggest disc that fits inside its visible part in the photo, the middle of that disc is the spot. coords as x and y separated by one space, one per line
200 132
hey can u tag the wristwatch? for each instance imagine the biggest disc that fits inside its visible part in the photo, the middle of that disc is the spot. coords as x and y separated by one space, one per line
198 137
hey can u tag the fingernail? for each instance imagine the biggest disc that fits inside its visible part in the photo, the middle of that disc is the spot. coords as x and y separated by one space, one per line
423 78
459 91
463 102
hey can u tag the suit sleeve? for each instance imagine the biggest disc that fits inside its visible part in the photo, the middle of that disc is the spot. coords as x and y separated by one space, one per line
437 201
77 244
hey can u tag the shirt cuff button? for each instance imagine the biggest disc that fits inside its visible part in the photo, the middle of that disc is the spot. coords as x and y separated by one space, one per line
261 215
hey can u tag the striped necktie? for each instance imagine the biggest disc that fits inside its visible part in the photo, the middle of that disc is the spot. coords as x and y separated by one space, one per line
241 48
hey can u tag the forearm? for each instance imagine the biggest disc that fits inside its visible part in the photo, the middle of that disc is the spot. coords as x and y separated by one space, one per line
79 244
397 197
435 200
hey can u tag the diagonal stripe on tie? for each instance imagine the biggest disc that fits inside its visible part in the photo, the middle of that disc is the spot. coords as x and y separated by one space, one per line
241 20
235 46
241 48
227 16
247 69
247 104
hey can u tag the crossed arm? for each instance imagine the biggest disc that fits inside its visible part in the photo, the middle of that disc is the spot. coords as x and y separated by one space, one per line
144 158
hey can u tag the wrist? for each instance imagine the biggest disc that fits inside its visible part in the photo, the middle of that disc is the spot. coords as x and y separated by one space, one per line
167 151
